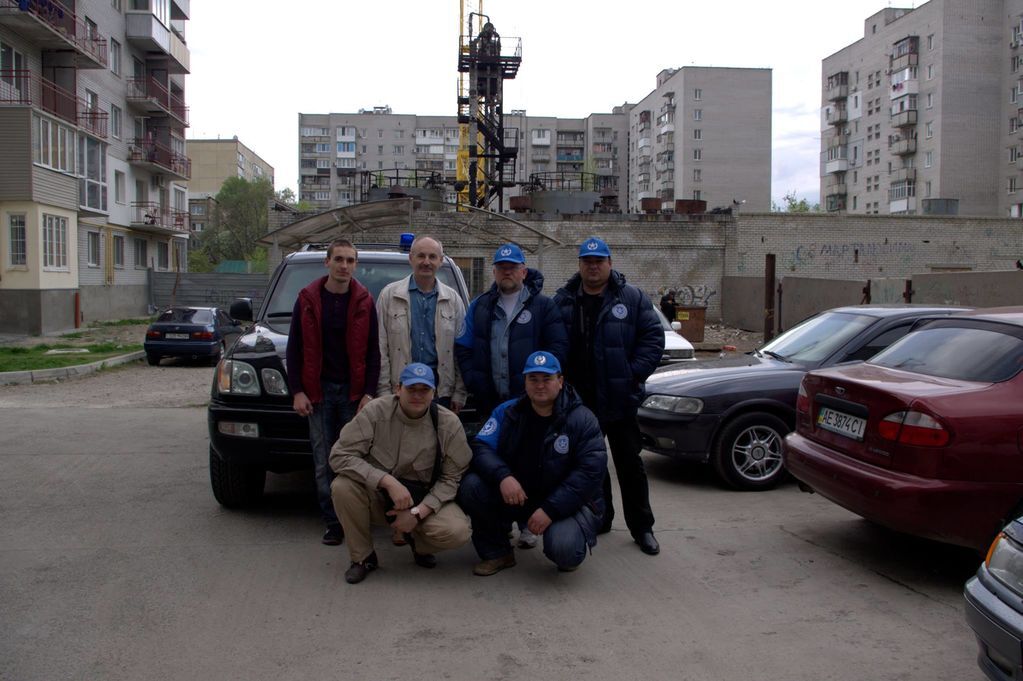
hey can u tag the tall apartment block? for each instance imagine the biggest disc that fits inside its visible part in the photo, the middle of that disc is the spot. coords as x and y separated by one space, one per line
923 114
93 170
703 134
213 161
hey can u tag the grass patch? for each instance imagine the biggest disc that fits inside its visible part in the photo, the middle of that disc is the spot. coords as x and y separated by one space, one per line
34 358
74 335
124 322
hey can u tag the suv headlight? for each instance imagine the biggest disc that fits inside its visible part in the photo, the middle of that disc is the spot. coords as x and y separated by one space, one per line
674 404
1005 562
237 378
273 382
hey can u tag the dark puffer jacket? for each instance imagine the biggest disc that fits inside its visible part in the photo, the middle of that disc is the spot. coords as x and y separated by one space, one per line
537 326
627 347
572 464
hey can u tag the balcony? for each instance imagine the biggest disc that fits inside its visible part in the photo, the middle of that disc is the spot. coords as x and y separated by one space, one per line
52 26
21 88
149 216
903 61
837 92
906 87
570 158
836 115
146 32
541 156
902 147
904 205
836 160
834 202
159 158
904 118
150 95
541 141
643 142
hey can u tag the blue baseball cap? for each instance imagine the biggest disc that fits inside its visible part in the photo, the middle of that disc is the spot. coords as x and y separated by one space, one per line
542 363
594 247
509 253
417 372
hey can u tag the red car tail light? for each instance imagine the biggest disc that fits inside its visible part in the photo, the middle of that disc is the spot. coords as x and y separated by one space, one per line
913 428
802 400
202 335
153 334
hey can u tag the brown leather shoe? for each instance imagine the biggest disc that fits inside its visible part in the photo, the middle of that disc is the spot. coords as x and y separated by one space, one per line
485 568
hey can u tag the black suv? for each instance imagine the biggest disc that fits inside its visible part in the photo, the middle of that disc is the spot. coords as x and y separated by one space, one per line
253 428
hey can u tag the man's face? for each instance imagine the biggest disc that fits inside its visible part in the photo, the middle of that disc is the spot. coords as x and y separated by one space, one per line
415 399
542 388
425 258
594 270
341 263
509 276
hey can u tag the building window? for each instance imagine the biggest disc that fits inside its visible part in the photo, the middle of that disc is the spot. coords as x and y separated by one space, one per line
115 121
697 194
92 249
92 167
697 114
697 94
53 145
119 187
141 254
697 174
380 134
54 242
697 154
1013 124
197 226
930 72
119 252
346 147
162 256
321 196
399 134
927 189
399 149
322 148
928 159
380 149
929 129
697 134
197 209
930 100
115 57
930 42
1011 185
19 255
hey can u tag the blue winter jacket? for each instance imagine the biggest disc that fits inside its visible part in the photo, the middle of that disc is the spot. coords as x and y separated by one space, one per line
573 462
537 326
628 345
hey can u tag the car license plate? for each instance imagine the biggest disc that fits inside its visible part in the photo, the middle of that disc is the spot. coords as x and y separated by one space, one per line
176 336
843 424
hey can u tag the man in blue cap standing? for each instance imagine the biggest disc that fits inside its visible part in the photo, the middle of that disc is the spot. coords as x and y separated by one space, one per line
539 459
616 342
502 327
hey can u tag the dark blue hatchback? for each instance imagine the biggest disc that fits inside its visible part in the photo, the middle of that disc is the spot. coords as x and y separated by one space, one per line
191 332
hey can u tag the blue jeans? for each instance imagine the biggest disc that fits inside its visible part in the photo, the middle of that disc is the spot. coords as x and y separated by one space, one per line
325 423
564 542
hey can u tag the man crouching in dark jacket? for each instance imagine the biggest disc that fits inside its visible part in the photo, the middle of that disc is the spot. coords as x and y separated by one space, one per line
540 459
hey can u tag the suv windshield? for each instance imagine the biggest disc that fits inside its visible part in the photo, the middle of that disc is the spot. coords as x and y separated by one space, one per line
816 338
297 275
968 354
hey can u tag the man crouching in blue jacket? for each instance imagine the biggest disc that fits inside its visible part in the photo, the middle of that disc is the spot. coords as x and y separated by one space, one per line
540 459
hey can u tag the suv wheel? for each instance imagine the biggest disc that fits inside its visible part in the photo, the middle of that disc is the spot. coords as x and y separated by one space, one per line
747 453
235 485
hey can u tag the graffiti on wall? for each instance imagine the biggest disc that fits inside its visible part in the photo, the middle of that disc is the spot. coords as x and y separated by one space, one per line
849 252
689 295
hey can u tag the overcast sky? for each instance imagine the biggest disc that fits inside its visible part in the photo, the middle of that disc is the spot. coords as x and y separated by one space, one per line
257 63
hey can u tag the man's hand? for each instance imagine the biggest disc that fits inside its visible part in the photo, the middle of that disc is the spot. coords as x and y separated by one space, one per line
539 522
302 405
363 402
403 521
512 492
398 492
456 407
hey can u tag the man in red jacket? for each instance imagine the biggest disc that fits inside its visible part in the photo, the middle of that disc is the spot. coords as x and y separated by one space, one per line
333 362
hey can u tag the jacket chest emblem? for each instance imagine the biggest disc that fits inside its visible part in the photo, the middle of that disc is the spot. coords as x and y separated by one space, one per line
525 317
620 311
489 428
561 444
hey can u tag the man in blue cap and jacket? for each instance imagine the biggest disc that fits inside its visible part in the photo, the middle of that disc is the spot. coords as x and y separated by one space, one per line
539 459
616 342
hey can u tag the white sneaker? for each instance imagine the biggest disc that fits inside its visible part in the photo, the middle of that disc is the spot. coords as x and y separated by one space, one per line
527 539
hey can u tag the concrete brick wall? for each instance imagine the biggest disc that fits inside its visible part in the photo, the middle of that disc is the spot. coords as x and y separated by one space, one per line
978 289
100 303
207 289
802 297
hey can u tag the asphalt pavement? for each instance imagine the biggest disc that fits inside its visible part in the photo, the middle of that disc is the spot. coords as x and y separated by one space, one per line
117 563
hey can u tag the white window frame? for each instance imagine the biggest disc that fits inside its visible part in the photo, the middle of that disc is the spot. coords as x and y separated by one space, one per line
55 231
697 134
697 94
120 187
118 246
17 240
697 114
115 57
140 249
92 249
162 255
928 129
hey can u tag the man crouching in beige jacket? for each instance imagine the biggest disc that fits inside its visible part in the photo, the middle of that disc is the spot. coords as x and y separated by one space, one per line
389 471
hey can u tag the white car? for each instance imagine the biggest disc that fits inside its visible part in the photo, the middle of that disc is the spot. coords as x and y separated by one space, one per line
676 348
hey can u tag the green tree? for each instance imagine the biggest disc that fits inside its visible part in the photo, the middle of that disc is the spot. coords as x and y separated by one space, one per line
198 261
287 197
240 219
795 205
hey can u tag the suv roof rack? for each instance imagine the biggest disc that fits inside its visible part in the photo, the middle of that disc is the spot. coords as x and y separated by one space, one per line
322 246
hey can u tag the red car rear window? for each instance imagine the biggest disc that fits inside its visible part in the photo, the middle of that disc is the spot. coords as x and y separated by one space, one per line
985 355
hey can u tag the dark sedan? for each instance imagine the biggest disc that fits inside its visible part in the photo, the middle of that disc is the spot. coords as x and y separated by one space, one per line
926 437
994 606
192 332
734 413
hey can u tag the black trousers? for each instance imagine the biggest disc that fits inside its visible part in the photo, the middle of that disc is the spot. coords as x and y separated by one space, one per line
624 440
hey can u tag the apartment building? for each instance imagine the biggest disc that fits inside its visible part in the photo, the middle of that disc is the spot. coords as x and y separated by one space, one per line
335 148
703 134
93 171
213 161
922 115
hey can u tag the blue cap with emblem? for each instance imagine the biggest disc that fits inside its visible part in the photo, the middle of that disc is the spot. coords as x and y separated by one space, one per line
417 372
509 253
542 363
595 248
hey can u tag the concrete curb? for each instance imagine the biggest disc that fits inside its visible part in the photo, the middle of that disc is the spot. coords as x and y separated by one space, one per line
64 373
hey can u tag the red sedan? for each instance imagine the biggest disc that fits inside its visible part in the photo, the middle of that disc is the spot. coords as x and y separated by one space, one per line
926 437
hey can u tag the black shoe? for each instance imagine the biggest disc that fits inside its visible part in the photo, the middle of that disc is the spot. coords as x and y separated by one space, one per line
605 526
358 571
333 536
647 543
424 560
